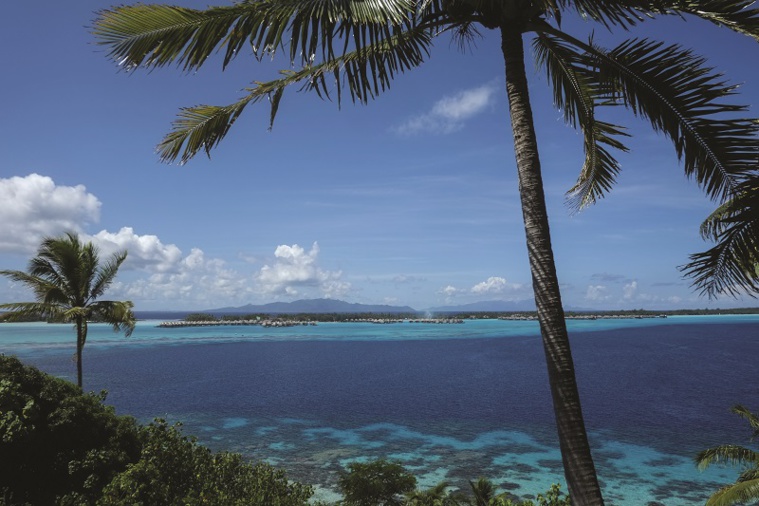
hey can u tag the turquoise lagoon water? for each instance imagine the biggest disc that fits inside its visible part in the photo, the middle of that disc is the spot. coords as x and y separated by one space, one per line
450 402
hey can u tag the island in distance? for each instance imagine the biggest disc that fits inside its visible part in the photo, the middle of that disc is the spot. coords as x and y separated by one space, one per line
327 306
315 306
312 306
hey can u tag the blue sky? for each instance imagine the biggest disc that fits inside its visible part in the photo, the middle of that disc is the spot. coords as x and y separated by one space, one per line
411 200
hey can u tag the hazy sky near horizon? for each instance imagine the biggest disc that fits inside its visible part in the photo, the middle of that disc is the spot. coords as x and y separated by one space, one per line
410 200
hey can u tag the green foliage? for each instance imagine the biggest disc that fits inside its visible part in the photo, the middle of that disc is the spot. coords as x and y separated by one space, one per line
484 494
200 317
175 470
57 443
746 487
376 483
435 496
60 446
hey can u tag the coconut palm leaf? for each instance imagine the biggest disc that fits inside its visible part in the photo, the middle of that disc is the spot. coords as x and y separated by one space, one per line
105 274
612 13
746 487
751 418
730 266
157 35
22 311
366 73
576 92
483 490
115 313
681 97
741 492
736 15
727 454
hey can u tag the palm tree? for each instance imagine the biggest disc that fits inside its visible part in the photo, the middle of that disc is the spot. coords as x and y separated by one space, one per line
435 496
67 278
483 491
357 47
746 488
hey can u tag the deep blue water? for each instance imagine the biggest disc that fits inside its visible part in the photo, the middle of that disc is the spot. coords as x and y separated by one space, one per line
472 402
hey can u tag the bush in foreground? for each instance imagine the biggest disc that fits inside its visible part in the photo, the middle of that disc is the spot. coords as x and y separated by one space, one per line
57 444
60 446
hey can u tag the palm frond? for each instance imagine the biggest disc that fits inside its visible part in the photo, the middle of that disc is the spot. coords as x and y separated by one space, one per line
67 265
367 73
749 474
681 97
575 92
22 311
730 266
737 15
116 313
157 35
200 128
44 289
727 454
612 13
105 273
751 418
742 492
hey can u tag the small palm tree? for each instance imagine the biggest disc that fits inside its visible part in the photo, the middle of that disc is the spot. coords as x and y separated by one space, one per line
746 488
435 496
67 277
483 491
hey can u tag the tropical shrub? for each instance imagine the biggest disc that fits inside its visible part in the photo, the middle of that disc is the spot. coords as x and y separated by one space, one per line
60 446
53 434
174 469
746 488
376 483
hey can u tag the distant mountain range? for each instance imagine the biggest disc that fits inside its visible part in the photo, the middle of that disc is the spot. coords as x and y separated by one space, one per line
339 306
314 306
488 305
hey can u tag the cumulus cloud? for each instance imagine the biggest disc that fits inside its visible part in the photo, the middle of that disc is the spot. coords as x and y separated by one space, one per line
191 281
145 252
596 293
449 291
449 114
494 285
33 207
491 285
629 290
294 270
194 282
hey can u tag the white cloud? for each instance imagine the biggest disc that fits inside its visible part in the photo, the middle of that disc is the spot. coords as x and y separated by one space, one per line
195 283
629 290
596 293
449 291
145 252
449 114
491 285
496 285
33 207
294 269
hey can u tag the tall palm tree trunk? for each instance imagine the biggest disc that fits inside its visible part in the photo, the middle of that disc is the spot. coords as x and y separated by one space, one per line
579 470
81 332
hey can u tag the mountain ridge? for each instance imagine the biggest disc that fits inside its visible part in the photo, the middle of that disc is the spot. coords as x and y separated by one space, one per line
339 306
314 306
